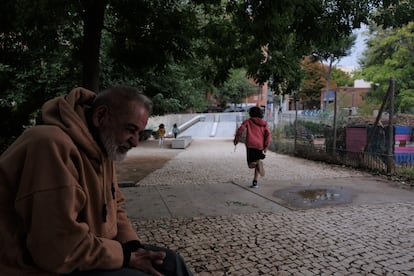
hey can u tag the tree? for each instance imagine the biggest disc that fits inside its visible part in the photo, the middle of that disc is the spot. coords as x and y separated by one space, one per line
92 14
179 88
312 83
315 80
340 77
46 51
278 34
235 88
392 13
332 53
389 54
35 59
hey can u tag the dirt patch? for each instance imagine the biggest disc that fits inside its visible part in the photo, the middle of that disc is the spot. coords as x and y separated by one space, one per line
136 167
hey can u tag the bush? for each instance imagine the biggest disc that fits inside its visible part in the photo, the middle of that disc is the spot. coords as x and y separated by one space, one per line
407 174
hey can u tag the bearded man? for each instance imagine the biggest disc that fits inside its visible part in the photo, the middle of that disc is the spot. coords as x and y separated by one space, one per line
61 210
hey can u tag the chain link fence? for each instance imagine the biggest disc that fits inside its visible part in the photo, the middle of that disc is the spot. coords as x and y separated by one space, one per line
312 137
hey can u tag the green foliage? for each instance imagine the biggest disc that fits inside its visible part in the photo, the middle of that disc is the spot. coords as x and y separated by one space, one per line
48 47
407 100
277 133
406 174
149 34
340 77
331 52
277 34
315 79
303 129
392 13
315 128
178 88
235 88
312 83
389 55
161 104
36 59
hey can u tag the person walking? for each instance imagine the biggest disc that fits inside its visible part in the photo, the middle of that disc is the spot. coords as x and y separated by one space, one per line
175 130
61 209
257 141
161 134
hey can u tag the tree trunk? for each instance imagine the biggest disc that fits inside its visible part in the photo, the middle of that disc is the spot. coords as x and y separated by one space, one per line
93 16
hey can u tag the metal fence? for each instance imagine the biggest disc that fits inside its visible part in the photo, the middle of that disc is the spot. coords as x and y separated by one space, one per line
293 137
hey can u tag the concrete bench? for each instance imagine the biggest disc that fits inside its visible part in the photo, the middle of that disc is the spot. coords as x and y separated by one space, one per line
181 142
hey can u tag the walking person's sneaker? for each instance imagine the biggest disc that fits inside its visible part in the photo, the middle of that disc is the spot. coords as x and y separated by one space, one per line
254 184
260 167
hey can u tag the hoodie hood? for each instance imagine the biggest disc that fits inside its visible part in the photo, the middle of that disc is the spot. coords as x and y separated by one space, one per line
68 113
258 121
257 133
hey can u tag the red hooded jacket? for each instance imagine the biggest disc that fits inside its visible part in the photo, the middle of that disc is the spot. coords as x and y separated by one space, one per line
258 133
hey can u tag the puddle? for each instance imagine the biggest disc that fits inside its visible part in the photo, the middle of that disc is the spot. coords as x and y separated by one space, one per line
315 196
318 194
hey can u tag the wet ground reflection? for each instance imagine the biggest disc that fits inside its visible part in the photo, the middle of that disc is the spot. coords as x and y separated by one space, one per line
314 196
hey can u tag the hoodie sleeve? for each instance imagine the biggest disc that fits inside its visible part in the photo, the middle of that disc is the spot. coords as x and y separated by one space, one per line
239 132
267 137
50 201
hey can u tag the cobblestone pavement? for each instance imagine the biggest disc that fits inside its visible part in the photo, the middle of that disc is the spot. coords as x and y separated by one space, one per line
363 240
357 239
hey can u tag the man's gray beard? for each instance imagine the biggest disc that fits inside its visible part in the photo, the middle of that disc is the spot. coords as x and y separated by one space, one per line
111 148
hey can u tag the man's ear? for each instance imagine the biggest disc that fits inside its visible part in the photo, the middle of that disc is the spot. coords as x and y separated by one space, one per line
99 115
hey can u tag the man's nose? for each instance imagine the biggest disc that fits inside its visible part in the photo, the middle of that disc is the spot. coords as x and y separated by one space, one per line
134 140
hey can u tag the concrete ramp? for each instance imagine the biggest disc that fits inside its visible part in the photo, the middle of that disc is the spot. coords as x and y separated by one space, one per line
211 129
226 129
201 125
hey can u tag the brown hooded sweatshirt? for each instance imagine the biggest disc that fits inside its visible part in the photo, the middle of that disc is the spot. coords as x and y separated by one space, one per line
60 204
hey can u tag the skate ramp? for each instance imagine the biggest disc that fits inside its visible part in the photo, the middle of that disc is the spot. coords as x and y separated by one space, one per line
211 129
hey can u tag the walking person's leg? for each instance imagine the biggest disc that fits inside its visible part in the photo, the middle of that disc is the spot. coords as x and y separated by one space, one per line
260 168
256 176
252 164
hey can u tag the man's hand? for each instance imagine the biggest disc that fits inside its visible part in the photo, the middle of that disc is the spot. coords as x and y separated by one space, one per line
144 260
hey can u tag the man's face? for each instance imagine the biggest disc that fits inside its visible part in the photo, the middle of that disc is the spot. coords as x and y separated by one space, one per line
120 131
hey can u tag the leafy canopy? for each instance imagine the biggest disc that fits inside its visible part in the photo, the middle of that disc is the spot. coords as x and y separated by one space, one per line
48 47
390 54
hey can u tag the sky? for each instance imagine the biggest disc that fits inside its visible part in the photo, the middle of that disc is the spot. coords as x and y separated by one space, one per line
356 51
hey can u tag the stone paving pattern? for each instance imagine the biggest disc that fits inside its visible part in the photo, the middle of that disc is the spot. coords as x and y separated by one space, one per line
367 239
363 240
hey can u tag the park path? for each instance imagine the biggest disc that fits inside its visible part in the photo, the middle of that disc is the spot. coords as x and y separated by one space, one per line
200 204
